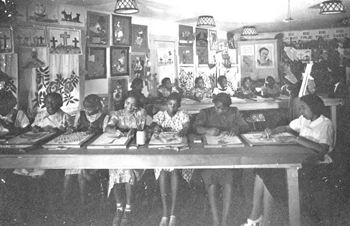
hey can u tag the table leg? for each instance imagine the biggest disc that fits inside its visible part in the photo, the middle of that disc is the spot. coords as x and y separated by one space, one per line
293 196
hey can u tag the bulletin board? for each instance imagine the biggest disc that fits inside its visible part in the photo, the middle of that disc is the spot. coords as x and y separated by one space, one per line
258 59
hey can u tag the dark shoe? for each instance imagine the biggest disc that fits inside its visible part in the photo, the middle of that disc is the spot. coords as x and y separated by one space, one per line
126 220
117 217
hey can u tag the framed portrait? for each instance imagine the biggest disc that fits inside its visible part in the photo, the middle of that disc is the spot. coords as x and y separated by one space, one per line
97 29
186 54
71 15
43 12
264 55
6 40
118 89
95 62
186 36
121 32
119 61
213 40
64 41
202 53
139 38
137 66
30 37
201 37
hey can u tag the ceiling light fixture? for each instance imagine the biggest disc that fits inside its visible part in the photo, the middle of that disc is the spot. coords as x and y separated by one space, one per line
249 31
206 21
126 7
332 7
289 15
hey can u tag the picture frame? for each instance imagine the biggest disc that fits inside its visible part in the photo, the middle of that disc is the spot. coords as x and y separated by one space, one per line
202 53
118 89
71 15
6 40
98 29
119 61
40 12
30 37
213 40
96 63
121 30
65 41
186 54
139 38
201 37
186 36
137 65
264 55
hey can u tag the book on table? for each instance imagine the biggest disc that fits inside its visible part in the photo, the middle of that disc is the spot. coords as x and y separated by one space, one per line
69 140
110 141
167 140
27 139
223 140
257 138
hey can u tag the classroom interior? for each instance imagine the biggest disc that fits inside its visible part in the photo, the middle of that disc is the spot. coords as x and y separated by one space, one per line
82 47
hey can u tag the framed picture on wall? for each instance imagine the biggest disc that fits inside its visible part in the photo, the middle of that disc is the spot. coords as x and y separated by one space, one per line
186 54
6 40
139 38
201 37
43 12
137 66
264 55
97 29
121 32
186 36
30 37
65 41
96 62
202 53
213 40
71 15
118 89
119 61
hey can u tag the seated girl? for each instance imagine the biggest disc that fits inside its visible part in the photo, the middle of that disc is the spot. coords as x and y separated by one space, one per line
125 122
199 91
178 121
215 121
166 88
222 87
136 91
246 90
315 132
270 88
91 120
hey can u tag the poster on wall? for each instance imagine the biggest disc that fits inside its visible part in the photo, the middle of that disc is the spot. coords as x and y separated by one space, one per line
119 61
304 55
186 54
201 37
43 12
6 40
263 55
139 38
121 30
64 41
137 65
96 62
186 35
202 53
30 37
165 57
71 15
21 9
213 40
118 88
97 29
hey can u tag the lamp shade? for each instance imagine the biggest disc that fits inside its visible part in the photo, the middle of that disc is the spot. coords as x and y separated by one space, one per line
332 7
126 7
249 31
206 21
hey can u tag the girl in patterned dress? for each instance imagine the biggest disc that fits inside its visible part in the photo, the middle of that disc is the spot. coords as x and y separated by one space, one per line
199 91
125 122
174 120
91 120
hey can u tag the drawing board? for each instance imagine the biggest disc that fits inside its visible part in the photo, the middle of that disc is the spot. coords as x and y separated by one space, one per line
166 139
72 140
256 139
222 140
27 139
107 140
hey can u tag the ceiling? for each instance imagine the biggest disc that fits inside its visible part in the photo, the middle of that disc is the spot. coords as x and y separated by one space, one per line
231 15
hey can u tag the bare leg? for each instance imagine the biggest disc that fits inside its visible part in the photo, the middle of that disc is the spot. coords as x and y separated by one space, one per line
66 185
212 191
268 204
117 189
163 190
82 187
227 201
129 193
257 198
174 188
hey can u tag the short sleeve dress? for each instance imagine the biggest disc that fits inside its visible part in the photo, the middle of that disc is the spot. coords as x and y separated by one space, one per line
201 93
176 124
124 120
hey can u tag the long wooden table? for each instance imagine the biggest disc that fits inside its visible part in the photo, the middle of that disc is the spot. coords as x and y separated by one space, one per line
288 157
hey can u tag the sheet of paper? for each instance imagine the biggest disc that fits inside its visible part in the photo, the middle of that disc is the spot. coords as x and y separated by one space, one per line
258 139
76 138
222 140
237 100
167 138
29 138
106 139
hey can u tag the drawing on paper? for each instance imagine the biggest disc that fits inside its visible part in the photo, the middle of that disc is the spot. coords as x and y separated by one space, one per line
29 137
258 139
222 139
167 138
110 139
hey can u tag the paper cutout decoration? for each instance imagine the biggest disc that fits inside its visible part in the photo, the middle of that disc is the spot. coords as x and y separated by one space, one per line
71 15
42 12
30 37
64 41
